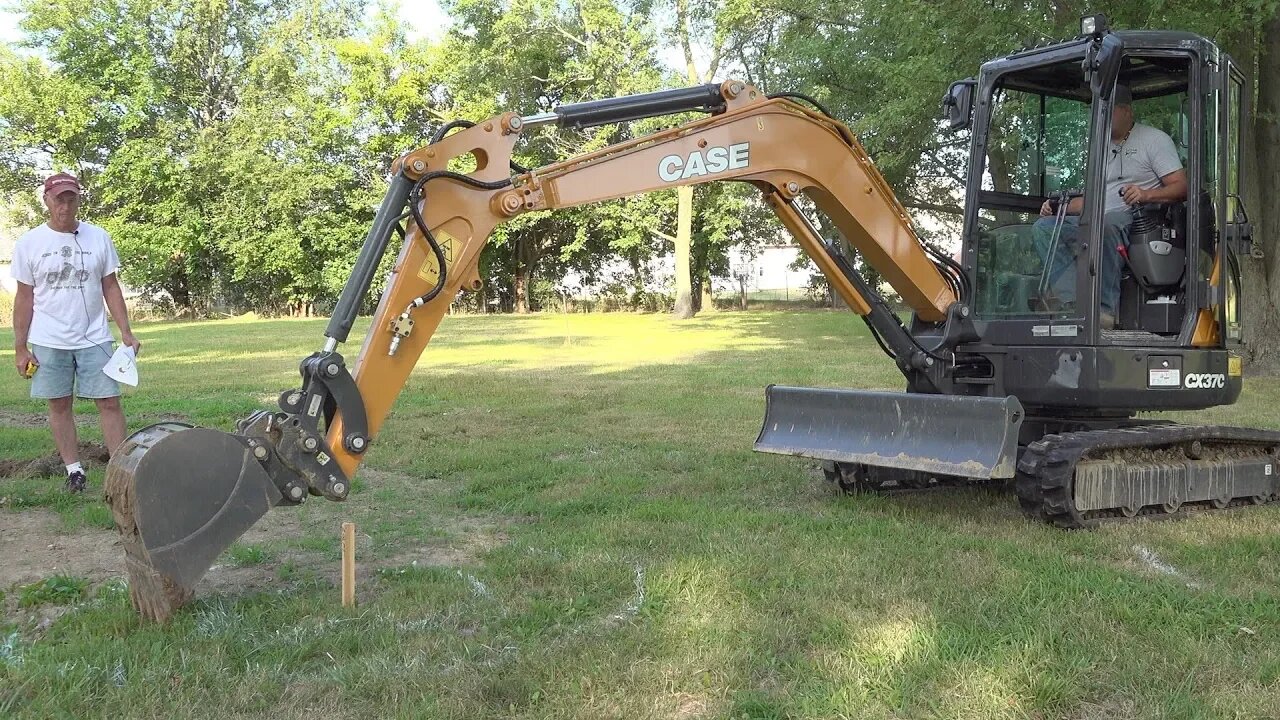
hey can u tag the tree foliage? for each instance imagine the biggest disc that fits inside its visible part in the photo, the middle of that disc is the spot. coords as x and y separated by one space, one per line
236 149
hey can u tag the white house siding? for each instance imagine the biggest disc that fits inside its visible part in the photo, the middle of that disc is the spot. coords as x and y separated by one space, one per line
767 270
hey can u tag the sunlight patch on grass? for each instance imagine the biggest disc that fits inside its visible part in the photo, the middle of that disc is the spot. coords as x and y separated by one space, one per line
703 628
602 343
894 641
870 658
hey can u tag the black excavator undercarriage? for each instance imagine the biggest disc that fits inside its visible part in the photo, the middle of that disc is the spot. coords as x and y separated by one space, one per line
1087 450
1084 479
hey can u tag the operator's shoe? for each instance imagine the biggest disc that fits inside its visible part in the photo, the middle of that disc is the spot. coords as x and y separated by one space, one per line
76 482
1106 320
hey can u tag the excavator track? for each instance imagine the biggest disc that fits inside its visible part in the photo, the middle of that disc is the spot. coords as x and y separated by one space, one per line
1096 477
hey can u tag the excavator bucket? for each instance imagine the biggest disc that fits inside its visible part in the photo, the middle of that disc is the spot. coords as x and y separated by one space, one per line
181 495
938 434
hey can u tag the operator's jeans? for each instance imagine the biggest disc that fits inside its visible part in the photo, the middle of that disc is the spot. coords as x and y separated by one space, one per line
1062 278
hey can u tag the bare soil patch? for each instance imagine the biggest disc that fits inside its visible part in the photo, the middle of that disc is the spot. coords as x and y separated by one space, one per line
37 420
30 421
51 465
35 545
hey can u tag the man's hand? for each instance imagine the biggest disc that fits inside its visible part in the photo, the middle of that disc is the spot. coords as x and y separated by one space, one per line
127 338
25 356
1133 195
1046 209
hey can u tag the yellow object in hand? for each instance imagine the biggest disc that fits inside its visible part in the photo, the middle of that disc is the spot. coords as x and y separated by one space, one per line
31 370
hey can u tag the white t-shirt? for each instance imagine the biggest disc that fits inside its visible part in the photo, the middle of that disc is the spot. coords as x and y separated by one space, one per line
66 272
1142 159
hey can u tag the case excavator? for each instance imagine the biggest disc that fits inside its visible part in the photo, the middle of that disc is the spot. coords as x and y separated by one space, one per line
1004 382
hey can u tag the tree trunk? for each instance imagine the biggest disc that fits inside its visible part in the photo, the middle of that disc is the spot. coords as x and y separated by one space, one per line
180 291
1262 276
522 290
684 195
684 242
708 300
525 258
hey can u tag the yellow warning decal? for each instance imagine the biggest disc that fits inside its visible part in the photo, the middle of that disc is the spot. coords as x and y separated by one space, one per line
1234 365
449 246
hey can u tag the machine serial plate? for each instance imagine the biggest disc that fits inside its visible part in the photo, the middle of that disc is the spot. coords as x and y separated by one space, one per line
1164 378
1054 330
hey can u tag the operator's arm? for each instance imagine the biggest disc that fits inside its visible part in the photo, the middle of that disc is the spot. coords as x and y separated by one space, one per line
114 298
23 308
1173 188
1074 207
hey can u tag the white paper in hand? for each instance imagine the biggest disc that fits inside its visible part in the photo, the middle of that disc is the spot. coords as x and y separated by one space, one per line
121 367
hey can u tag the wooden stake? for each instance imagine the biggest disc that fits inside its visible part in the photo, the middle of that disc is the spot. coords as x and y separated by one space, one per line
348 564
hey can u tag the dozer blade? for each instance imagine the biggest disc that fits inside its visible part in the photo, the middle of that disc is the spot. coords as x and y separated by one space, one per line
939 434
181 495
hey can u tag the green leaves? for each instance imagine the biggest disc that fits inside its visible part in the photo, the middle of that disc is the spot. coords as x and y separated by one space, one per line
237 150
219 141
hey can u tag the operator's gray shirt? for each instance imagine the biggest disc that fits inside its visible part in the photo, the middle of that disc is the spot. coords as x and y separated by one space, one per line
1142 159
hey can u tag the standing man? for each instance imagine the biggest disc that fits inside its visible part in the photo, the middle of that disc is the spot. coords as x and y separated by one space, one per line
66 273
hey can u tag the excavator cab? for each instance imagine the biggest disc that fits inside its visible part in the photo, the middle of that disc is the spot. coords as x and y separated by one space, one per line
1080 319
1012 370
1040 132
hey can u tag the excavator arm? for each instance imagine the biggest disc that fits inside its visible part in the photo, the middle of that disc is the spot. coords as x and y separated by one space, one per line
314 442
782 148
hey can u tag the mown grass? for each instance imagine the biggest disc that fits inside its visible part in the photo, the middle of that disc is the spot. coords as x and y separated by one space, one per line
647 564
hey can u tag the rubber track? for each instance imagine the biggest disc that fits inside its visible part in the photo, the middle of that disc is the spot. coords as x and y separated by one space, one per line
1046 469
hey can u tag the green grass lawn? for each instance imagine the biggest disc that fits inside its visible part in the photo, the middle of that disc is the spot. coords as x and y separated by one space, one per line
607 545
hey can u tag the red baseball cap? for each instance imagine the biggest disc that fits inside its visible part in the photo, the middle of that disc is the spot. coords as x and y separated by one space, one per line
60 183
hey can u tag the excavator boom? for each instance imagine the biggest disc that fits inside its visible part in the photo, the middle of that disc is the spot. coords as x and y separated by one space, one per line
314 443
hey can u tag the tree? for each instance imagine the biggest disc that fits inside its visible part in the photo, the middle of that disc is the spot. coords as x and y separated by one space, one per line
882 66
531 56
1257 48
202 134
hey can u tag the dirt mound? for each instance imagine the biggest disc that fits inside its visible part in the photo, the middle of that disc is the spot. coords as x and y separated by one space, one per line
51 465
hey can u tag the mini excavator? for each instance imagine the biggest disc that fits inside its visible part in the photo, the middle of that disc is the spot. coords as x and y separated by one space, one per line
1003 383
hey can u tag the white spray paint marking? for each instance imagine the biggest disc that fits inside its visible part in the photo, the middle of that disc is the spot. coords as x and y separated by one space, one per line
1155 563
409 626
10 652
478 588
539 551
217 618
637 600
